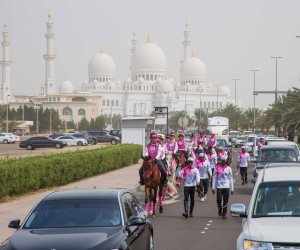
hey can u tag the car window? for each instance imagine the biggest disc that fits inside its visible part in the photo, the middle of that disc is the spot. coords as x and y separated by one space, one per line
102 134
277 155
75 213
127 206
277 199
221 143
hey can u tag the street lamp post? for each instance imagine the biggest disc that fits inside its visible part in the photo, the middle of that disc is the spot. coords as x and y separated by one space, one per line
254 71
50 125
276 62
200 102
235 79
37 118
7 113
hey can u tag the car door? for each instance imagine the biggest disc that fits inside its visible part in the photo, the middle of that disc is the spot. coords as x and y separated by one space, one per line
102 136
138 236
68 139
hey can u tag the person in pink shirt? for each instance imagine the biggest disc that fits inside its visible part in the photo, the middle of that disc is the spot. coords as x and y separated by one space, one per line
193 142
181 143
221 152
243 162
212 142
201 141
261 143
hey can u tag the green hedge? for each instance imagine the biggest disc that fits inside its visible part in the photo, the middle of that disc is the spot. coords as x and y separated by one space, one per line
18 176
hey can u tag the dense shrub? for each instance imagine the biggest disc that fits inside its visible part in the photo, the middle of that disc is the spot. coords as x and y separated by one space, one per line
18 176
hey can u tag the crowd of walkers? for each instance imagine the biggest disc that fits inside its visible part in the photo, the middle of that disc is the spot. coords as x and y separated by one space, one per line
204 166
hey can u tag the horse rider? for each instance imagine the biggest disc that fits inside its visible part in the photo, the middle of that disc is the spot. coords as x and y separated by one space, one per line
160 140
223 185
154 150
181 142
243 162
261 142
201 141
204 169
171 146
193 142
191 179
212 142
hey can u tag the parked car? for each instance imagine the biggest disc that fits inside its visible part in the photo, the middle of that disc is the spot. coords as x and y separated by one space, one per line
53 136
90 139
6 138
41 142
286 143
251 143
104 136
116 132
227 146
84 220
240 141
274 154
272 220
72 141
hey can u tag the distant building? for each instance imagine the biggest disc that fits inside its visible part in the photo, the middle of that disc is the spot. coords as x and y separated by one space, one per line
147 87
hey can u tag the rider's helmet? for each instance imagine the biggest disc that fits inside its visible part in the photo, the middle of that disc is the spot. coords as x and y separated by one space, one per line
200 155
181 134
261 138
190 160
223 158
212 134
172 134
153 135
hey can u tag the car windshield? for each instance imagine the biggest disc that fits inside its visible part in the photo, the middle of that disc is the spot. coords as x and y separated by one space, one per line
251 139
221 143
75 213
275 199
242 138
277 155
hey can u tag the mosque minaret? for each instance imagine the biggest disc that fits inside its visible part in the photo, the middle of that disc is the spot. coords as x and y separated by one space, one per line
49 57
5 91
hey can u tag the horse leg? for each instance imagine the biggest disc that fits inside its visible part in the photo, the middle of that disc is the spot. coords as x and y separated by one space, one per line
154 201
161 199
146 208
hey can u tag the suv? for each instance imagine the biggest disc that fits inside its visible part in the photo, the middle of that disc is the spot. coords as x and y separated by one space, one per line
272 220
116 132
104 136
274 154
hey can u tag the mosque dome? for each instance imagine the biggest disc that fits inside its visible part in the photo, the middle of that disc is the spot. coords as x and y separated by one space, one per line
66 87
192 69
148 58
165 86
102 64
224 90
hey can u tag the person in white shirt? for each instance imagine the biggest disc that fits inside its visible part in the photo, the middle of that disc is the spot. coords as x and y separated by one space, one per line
223 185
191 179
243 162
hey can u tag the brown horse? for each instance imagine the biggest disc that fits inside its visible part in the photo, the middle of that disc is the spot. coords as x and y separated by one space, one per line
180 166
153 186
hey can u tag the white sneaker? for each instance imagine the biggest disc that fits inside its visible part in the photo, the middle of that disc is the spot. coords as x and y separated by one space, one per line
202 199
205 197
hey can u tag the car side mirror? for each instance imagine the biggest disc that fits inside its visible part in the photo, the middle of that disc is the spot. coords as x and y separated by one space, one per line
136 221
238 209
14 224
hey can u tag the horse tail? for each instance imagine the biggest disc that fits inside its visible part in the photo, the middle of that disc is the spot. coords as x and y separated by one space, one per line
172 188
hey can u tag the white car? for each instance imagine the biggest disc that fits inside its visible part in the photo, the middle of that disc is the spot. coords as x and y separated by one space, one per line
272 220
6 138
16 138
72 141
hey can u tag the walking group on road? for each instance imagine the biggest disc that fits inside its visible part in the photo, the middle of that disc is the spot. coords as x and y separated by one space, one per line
199 165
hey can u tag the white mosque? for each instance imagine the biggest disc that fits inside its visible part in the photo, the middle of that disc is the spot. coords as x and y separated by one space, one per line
148 86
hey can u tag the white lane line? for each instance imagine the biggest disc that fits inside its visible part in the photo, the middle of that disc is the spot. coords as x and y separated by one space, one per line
207 224
202 232
210 221
205 228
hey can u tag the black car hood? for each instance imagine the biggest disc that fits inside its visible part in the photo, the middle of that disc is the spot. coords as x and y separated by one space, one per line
66 239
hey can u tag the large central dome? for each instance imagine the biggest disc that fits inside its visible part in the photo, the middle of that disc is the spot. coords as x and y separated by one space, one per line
148 58
192 71
101 66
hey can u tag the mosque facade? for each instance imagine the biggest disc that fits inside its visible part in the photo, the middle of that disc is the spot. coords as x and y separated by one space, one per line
146 88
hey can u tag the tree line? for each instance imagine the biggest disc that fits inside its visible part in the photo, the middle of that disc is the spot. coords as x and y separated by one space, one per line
57 124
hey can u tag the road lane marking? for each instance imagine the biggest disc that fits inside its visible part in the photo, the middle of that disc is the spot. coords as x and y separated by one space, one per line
202 232
205 228
210 221
207 224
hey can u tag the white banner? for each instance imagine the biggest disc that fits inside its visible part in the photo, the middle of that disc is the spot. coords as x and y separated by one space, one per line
161 119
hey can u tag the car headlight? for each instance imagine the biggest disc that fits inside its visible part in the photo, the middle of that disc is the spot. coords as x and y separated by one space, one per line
256 245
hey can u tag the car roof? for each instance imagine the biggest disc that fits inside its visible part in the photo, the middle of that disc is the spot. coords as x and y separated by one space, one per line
288 173
73 194
291 143
277 147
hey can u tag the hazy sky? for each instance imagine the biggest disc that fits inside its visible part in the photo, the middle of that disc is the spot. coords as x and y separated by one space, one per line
230 37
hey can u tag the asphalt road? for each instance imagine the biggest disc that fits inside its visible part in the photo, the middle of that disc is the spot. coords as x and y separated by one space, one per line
206 230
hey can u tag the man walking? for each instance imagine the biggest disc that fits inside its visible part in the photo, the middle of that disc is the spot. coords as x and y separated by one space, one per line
243 162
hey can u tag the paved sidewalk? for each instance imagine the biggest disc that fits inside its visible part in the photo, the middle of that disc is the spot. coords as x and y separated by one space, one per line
123 178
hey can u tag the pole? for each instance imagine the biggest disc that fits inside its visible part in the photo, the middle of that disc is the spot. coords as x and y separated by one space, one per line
200 110
37 118
217 97
23 113
276 73
235 79
7 114
254 106
167 120
50 125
